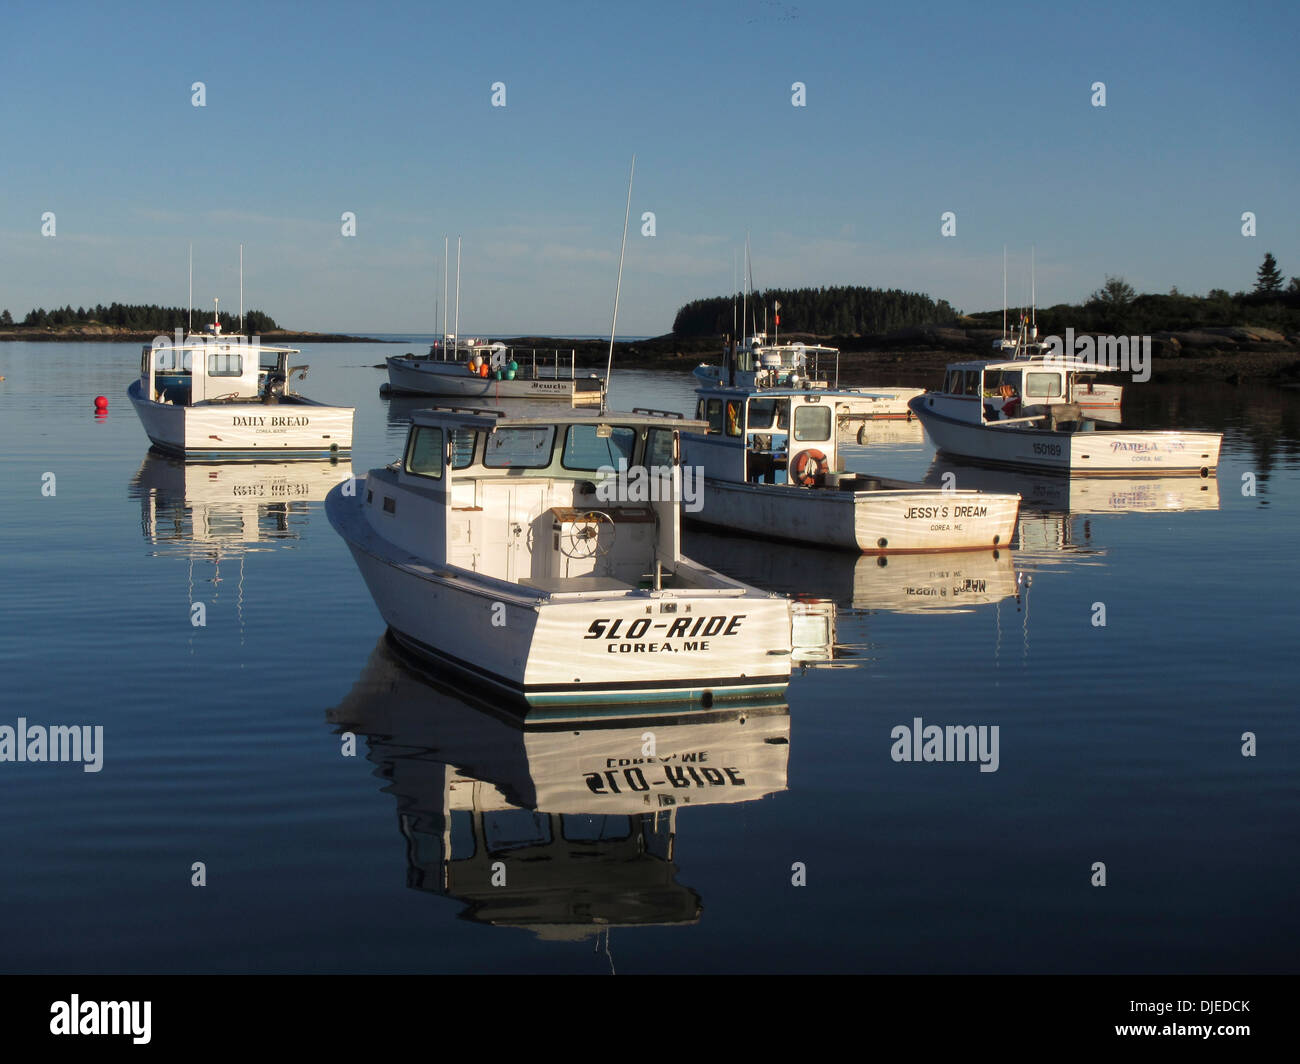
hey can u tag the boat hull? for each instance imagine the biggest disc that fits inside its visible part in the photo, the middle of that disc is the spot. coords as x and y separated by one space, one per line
223 431
1103 453
409 376
870 522
574 648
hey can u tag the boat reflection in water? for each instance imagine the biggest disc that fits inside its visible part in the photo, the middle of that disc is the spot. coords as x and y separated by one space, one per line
1054 507
949 582
210 509
556 820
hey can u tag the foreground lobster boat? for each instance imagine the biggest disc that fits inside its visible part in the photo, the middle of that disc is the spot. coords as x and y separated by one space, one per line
508 550
1022 413
213 397
771 468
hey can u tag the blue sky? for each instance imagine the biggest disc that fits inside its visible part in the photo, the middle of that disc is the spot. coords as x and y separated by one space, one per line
385 110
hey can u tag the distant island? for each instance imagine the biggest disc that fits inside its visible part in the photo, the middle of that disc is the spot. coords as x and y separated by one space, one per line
126 322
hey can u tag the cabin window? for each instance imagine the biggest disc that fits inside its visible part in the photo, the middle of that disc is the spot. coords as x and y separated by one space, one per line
812 423
424 453
1045 384
520 448
659 449
972 383
164 359
586 451
225 364
733 417
715 415
952 382
463 442
699 410
761 414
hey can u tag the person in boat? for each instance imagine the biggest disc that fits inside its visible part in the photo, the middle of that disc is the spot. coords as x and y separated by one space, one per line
1010 401
733 418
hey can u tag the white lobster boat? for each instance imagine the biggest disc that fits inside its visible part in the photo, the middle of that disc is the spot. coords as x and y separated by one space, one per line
1023 413
215 398
501 549
756 364
480 370
771 467
1101 401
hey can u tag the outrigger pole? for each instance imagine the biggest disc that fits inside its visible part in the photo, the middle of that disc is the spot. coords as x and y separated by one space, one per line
618 288
189 307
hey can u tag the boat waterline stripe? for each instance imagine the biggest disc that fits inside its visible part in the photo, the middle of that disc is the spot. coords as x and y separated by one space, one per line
545 690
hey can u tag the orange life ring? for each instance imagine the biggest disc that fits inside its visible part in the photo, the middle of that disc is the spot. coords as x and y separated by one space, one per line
799 468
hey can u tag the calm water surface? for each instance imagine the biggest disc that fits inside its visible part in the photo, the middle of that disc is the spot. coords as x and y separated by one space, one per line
223 744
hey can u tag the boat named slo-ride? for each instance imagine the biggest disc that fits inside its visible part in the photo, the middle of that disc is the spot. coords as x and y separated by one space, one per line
504 550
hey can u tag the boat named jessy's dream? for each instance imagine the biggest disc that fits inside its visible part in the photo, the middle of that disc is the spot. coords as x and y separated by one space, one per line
498 548
215 397
1012 413
771 467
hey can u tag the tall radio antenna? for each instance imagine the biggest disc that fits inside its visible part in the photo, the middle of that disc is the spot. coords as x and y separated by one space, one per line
618 288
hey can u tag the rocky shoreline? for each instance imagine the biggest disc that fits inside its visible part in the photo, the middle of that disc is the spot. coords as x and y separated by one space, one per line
1229 354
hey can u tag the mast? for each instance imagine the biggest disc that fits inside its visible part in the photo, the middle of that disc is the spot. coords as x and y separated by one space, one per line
444 294
618 289
189 307
241 289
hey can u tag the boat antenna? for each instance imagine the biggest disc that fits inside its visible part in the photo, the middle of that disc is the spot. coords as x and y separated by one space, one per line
744 292
749 275
1033 295
444 294
189 307
1004 291
456 326
735 287
241 289
618 289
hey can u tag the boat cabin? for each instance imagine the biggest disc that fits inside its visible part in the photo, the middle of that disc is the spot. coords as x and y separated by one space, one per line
1043 391
770 436
759 364
210 368
587 501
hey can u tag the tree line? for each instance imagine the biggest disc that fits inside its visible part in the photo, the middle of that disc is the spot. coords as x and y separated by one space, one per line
1116 308
140 317
843 310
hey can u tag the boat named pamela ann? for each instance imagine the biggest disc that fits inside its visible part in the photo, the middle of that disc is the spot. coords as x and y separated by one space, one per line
497 548
215 397
1026 413
771 467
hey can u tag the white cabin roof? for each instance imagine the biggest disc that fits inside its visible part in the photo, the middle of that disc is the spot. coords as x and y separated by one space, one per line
487 420
1070 365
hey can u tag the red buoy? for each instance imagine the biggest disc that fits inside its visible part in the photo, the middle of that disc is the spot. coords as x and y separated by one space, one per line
101 403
